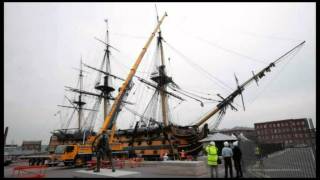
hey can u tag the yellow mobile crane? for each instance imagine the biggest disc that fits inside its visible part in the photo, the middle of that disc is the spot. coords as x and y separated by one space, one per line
78 154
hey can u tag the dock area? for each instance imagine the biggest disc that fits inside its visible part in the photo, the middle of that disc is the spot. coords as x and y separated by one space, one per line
147 169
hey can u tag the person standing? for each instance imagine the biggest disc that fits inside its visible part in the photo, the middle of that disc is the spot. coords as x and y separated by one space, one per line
258 153
102 151
165 157
182 155
237 156
212 152
227 155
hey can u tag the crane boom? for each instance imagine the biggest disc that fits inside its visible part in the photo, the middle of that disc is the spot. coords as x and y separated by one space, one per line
115 106
227 101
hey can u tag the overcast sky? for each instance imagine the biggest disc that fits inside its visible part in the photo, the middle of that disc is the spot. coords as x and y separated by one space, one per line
45 41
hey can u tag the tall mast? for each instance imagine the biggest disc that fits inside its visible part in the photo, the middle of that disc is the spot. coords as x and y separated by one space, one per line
80 106
108 70
108 123
80 103
163 87
105 88
162 80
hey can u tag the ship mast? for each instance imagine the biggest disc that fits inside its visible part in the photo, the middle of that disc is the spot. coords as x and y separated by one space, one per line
162 80
226 102
110 119
163 87
80 103
106 89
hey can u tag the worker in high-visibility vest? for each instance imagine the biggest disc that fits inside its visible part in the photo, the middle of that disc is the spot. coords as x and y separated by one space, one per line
212 152
258 153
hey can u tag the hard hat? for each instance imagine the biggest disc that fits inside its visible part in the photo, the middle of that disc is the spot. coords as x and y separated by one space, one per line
235 143
226 143
212 143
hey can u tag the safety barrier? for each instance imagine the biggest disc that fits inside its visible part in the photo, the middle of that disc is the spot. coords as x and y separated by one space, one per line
29 171
135 162
106 164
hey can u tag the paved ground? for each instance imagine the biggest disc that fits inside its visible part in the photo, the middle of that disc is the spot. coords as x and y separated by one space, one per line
127 172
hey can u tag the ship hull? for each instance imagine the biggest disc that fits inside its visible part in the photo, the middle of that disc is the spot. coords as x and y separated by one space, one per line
152 143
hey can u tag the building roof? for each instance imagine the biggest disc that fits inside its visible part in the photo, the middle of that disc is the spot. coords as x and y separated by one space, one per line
283 120
243 137
218 137
239 128
31 142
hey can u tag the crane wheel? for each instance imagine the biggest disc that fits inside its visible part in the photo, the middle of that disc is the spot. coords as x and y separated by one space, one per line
79 161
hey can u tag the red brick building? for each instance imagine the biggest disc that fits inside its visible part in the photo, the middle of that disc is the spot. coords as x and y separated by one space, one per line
288 132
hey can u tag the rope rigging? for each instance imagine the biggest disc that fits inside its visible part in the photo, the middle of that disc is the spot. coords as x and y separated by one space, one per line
200 69
230 51
226 102
193 94
277 74
224 48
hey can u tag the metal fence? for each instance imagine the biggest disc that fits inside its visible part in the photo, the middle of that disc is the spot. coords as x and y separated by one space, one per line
248 156
289 162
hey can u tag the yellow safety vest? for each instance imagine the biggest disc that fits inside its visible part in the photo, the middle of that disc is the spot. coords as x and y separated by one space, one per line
212 155
257 151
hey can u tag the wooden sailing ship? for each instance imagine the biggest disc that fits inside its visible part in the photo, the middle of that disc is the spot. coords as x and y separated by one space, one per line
151 137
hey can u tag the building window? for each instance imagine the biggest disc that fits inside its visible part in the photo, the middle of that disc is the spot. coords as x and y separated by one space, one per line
265 126
293 123
278 124
298 123
302 123
306 135
286 124
274 125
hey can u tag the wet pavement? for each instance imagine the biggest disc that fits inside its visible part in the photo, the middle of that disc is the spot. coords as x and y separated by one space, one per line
150 171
